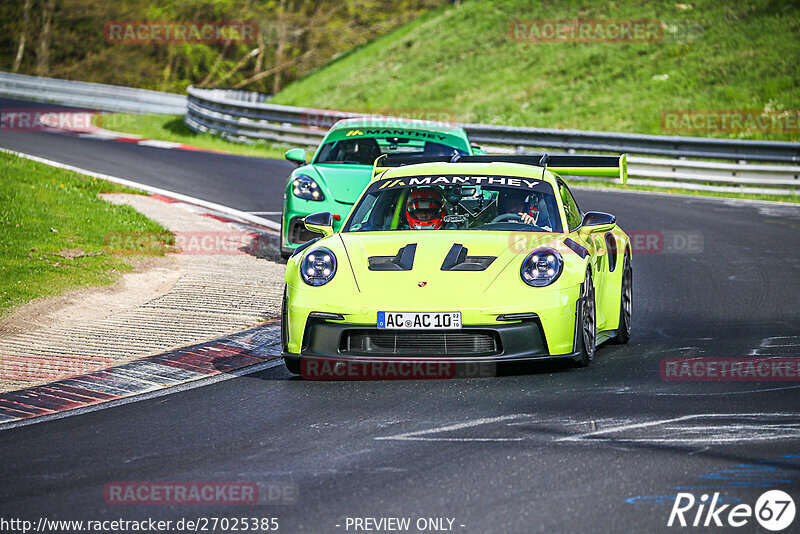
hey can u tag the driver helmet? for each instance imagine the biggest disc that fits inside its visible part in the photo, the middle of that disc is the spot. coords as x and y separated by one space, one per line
514 202
425 209
531 205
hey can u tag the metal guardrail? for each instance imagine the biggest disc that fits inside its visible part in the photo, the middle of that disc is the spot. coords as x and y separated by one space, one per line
231 105
240 117
91 95
656 145
245 116
219 119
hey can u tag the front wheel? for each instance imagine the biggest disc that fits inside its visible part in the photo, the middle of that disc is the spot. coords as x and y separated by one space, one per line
626 304
284 321
292 365
587 335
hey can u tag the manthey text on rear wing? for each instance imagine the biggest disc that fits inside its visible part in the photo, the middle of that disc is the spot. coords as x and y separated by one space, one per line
567 165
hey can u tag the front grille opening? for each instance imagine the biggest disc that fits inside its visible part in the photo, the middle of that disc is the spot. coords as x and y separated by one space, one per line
298 233
375 342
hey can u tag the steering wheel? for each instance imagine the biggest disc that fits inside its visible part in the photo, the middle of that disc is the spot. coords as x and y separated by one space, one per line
506 217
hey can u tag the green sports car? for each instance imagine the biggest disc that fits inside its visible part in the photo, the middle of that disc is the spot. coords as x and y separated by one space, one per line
482 259
342 166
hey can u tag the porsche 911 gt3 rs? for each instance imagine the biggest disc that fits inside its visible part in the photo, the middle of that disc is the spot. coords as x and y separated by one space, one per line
467 259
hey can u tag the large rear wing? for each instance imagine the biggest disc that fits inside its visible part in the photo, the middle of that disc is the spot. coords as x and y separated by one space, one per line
613 166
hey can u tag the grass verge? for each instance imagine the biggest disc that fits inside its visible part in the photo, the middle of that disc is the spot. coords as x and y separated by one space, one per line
468 62
172 128
54 231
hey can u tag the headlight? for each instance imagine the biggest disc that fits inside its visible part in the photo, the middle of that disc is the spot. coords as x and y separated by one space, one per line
304 187
541 268
318 267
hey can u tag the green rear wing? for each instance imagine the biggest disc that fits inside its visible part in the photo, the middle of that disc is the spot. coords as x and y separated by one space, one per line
568 165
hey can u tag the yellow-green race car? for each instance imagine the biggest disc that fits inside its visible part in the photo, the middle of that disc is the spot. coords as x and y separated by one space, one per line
468 259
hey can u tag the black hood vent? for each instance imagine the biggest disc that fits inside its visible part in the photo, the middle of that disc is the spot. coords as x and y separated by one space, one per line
402 261
457 259
576 248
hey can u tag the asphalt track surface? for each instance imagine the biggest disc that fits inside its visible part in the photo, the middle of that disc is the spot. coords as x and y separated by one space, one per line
603 449
240 182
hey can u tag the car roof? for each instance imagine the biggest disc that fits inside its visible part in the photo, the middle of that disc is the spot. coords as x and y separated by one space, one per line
399 122
495 168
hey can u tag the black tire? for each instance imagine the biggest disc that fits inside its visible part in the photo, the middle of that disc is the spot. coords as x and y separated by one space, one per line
292 364
587 315
626 304
284 330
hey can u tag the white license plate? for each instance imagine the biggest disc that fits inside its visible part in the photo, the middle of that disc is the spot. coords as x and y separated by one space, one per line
419 320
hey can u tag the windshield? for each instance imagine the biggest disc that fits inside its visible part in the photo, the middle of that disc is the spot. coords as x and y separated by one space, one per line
456 203
365 150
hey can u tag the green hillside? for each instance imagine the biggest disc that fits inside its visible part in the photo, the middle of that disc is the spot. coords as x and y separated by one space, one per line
463 62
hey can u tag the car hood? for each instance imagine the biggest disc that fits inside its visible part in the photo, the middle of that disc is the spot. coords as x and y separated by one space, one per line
431 250
345 182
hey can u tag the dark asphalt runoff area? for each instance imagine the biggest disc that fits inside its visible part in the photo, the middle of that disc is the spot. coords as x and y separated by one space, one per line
240 182
540 449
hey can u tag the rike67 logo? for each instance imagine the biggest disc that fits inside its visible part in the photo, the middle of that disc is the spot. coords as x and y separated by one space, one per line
774 510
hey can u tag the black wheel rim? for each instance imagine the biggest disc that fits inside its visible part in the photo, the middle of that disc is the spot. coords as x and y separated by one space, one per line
588 316
627 295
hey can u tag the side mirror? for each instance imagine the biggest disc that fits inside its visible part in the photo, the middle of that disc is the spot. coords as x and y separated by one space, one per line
597 221
296 156
321 222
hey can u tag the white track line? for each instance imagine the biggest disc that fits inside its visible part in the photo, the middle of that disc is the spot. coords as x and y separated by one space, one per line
158 144
242 215
417 435
598 434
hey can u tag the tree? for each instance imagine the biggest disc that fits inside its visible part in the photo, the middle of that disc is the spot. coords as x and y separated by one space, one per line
43 52
294 37
23 37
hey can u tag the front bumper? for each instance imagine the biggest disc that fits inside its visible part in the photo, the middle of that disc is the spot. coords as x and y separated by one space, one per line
344 342
553 312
